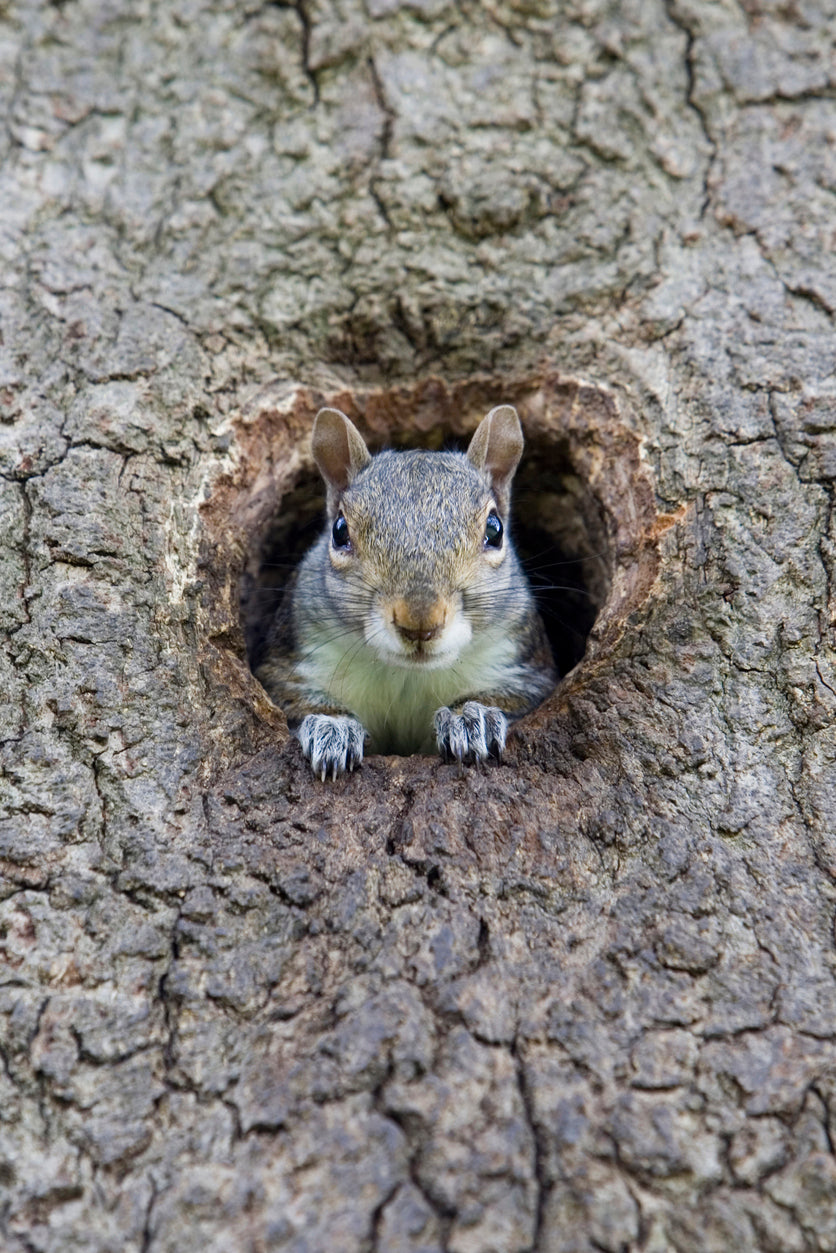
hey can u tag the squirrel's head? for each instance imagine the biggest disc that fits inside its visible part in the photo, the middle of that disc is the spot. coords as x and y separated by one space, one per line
418 548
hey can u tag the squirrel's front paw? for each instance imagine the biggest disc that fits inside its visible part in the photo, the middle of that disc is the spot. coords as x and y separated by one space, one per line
473 734
331 743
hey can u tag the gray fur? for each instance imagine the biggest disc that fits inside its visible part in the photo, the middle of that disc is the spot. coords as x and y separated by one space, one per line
333 744
472 735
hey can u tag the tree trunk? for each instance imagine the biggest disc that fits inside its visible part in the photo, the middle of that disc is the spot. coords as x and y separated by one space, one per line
582 1000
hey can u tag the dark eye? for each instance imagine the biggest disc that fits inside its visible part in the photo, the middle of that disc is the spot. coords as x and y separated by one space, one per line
493 531
339 534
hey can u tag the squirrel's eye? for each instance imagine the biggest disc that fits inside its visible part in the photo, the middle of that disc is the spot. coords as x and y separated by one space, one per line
493 531
339 534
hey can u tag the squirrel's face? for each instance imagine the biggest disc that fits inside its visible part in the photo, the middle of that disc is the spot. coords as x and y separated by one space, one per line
418 557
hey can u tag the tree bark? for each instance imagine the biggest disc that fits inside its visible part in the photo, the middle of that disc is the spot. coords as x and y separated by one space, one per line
583 1000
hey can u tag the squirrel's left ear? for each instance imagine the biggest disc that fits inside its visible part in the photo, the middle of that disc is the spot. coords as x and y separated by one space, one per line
496 448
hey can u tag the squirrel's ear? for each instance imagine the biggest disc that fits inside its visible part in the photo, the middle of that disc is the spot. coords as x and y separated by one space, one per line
496 448
339 450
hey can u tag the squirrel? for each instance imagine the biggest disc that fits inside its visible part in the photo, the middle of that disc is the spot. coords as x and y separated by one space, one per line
409 623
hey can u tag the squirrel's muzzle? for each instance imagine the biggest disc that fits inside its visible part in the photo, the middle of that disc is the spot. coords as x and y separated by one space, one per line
419 623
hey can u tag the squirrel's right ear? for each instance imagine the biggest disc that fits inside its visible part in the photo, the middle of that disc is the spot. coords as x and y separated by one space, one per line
339 450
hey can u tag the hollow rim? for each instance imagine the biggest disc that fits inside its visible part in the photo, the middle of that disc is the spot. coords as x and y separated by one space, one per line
578 445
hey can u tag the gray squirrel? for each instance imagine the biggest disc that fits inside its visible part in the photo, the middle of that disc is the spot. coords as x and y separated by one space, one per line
409 623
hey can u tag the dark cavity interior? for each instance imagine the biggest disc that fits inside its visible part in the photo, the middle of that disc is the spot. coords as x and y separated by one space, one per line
560 536
557 526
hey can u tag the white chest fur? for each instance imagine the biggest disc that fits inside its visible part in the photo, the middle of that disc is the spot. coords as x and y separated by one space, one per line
396 703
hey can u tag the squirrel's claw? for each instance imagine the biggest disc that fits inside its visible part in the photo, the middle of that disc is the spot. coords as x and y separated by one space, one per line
331 743
472 735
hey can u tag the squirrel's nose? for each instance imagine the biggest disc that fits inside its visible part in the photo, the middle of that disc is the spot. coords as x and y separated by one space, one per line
418 624
415 633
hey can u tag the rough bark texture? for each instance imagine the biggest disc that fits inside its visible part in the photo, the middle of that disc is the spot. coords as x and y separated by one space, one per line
582 1001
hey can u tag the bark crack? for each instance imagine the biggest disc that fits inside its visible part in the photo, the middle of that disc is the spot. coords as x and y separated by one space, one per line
688 31
539 1171
389 118
301 9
